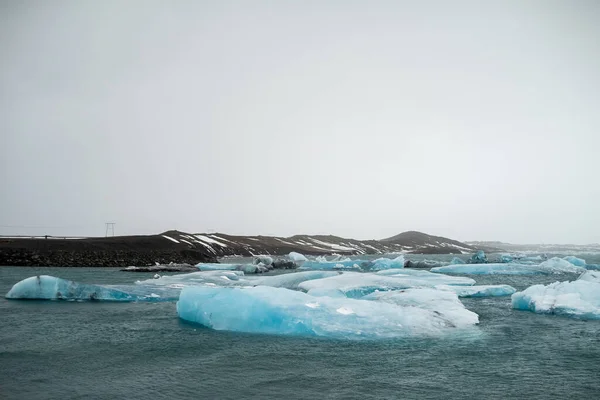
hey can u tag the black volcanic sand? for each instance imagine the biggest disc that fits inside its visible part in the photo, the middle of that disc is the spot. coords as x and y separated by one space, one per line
118 251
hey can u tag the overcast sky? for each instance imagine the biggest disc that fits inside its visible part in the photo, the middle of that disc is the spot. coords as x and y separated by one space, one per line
472 120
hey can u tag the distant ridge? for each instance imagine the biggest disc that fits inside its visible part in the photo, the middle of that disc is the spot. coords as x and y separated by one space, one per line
221 244
182 247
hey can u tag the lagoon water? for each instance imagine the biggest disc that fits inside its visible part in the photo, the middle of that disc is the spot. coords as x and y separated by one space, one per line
92 350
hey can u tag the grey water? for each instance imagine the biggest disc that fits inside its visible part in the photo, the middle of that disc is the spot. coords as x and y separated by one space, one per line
94 350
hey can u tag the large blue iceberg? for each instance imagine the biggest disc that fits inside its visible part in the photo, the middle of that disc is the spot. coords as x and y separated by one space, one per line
44 287
576 299
280 311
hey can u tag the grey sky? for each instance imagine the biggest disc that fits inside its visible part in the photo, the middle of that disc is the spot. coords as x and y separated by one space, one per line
473 120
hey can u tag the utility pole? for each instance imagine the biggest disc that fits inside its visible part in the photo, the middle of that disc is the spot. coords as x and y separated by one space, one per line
110 227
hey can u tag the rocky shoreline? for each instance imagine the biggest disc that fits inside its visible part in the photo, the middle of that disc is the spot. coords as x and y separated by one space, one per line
98 252
184 248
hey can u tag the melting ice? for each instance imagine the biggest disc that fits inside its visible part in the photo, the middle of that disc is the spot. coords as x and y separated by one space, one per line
271 310
577 299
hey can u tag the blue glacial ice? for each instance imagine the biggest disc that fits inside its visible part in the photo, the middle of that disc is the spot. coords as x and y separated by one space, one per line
297 257
576 299
44 287
358 265
552 266
478 258
357 285
280 311
479 290
580 262
457 260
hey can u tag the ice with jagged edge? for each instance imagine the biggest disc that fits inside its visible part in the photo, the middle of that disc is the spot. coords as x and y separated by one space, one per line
358 265
45 287
297 257
580 262
270 310
576 299
552 266
236 278
356 284
479 290
258 267
438 301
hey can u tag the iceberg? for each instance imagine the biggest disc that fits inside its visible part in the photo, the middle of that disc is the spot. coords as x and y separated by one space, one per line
444 303
577 299
479 290
478 258
45 287
431 277
269 310
210 278
487 269
580 262
552 266
290 281
590 276
264 260
457 260
297 257
236 278
422 264
247 268
558 265
360 265
357 285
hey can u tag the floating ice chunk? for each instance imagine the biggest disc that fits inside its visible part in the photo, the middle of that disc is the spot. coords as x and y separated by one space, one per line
430 277
487 269
557 265
444 303
479 257
578 299
286 312
457 260
554 265
247 268
591 276
265 260
580 262
386 263
297 257
217 267
219 278
479 290
363 265
356 285
44 287
290 281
